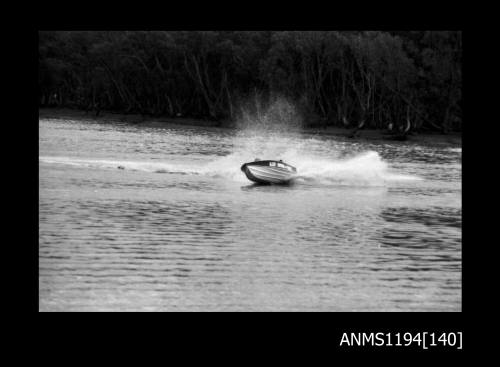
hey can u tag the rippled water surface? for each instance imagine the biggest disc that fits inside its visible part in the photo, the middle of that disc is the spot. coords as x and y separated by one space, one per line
135 218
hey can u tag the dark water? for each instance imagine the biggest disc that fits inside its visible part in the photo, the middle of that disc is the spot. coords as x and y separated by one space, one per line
368 226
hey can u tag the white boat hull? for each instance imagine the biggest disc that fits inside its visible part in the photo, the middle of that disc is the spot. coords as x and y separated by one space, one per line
271 174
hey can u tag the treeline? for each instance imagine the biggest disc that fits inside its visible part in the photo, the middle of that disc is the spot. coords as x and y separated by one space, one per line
335 78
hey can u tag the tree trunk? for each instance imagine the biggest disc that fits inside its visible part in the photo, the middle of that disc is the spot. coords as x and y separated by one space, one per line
203 88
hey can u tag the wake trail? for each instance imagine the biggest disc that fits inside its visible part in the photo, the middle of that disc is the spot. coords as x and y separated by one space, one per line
364 169
145 166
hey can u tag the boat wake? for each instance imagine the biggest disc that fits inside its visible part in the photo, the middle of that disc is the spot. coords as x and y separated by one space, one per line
365 169
144 166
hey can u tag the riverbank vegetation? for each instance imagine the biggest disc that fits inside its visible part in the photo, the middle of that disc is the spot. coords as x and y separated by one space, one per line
378 80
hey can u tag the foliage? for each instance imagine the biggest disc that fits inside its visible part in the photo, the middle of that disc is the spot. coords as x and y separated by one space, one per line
334 78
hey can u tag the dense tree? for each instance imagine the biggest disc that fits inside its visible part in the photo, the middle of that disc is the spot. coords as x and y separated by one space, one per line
398 80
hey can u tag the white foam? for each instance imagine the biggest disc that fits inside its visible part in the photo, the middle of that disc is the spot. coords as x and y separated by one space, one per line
146 166
367 168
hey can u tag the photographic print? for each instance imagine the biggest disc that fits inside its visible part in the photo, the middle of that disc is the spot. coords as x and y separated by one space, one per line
250 171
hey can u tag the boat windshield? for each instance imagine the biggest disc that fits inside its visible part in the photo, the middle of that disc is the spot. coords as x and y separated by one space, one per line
281 165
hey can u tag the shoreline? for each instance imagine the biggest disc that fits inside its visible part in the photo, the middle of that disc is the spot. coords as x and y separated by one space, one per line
454 139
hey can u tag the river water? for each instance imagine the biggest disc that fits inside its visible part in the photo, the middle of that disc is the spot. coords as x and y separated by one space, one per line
368 225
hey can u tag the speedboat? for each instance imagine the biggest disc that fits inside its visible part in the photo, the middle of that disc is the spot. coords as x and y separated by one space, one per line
269 172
